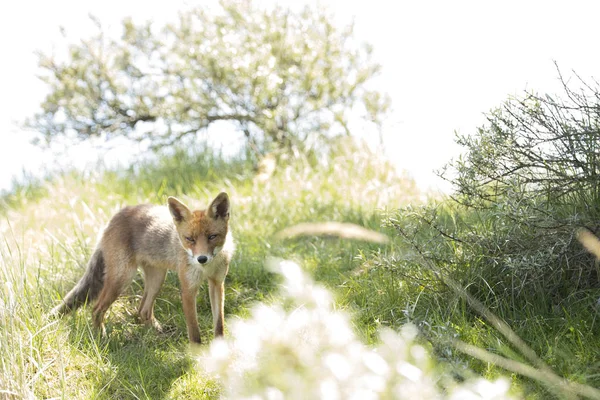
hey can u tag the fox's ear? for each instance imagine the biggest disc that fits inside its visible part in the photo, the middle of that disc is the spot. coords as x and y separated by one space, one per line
219 208
179 211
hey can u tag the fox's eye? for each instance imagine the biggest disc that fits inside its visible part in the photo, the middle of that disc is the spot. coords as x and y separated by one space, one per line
211 237
189 239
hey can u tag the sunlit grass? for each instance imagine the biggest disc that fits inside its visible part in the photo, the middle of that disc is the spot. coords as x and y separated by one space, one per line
46 240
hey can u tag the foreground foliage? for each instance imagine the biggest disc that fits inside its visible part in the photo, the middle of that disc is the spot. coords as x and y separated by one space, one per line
306 349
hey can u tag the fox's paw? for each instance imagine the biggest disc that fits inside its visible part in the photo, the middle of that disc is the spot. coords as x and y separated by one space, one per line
151 322
156 325
102 331
167 329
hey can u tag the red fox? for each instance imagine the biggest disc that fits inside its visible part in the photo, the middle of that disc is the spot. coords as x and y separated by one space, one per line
196 244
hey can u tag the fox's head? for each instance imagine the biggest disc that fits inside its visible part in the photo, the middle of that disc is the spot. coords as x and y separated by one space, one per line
202 232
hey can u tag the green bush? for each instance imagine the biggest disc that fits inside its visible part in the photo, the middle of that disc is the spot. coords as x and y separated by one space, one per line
526 182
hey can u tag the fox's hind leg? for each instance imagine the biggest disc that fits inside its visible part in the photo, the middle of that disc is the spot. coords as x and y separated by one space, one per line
153 280
116 279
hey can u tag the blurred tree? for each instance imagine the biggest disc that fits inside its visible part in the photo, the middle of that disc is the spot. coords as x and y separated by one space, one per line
284 78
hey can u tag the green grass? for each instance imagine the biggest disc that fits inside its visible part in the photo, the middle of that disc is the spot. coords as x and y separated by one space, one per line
47 238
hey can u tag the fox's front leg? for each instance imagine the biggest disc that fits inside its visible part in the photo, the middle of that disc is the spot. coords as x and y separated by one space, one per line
216 292
188 299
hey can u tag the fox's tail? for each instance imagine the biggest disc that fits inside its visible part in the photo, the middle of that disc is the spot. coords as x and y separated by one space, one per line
88 287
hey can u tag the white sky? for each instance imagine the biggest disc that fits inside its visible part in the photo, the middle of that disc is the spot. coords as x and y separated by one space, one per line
445 63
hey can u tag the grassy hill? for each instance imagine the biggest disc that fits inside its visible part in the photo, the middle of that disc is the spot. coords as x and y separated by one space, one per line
49 230
48 234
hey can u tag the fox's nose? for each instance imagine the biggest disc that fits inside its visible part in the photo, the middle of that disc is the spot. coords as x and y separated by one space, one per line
202 259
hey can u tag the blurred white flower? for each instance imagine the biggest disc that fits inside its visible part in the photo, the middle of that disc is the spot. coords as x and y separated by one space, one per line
308 350
482 389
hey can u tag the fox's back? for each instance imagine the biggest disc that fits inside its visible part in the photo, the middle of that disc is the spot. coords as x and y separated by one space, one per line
143 234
